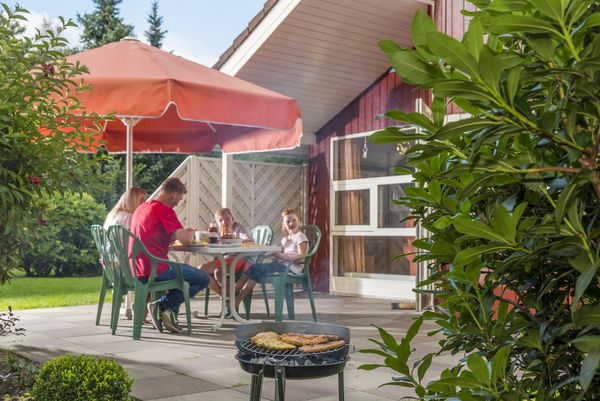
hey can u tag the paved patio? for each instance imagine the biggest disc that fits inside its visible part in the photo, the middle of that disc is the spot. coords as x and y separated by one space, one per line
169 367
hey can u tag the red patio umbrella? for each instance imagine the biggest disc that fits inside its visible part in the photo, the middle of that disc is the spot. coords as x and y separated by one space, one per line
178 106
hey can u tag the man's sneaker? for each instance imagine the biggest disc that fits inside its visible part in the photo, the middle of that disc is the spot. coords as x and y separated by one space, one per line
169 320
154 313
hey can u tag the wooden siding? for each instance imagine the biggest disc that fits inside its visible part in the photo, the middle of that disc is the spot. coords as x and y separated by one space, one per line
388 92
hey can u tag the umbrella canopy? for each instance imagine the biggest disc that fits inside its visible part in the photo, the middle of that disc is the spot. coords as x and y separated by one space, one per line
180 106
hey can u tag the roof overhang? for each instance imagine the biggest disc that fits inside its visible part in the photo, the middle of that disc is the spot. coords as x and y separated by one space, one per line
321 53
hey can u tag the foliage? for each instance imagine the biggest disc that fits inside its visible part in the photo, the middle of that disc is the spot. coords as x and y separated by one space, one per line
39 292
37 135
510 197
154 34
81 378
103 25
64 245
8 323
24 369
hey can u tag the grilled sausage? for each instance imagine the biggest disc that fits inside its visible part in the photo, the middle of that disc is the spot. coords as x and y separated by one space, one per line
322 347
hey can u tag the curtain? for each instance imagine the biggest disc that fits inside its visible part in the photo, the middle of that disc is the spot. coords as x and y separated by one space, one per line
351 250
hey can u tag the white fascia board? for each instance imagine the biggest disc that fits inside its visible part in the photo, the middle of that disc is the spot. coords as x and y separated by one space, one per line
258 36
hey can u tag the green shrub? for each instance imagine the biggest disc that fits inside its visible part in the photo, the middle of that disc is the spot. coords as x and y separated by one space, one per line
511 198
33 70
81 378
61 243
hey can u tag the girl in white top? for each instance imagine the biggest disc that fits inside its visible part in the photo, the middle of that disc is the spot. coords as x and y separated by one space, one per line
295 245
121 214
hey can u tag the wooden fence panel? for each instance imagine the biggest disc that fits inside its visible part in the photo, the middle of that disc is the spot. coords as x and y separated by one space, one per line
260 192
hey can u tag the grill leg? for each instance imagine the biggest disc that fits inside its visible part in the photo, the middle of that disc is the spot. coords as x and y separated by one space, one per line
256 386
279 383
341 385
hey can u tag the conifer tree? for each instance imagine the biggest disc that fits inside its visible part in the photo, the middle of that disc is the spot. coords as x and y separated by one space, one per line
104 25
154 34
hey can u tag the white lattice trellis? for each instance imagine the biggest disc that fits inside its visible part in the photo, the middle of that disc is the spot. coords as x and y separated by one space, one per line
260 192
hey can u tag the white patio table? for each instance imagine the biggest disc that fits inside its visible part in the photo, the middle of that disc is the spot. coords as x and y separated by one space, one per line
220 251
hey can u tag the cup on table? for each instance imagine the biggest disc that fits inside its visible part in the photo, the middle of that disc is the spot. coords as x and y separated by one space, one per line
200 237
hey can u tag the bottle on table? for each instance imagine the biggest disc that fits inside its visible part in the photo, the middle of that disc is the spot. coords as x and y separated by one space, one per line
213 233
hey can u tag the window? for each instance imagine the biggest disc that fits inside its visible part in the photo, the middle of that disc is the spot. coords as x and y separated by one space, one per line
368 227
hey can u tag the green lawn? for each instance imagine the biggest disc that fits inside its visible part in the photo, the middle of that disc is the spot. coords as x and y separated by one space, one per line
29 293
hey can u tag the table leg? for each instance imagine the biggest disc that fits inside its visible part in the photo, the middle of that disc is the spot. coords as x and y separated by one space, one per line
224 275
234 314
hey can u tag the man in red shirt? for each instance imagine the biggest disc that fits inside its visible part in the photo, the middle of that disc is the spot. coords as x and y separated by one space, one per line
157 226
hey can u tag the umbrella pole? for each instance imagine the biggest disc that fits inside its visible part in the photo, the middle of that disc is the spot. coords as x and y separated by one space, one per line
129 122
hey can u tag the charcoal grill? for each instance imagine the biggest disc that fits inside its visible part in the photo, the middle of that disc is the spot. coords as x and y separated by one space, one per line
290 364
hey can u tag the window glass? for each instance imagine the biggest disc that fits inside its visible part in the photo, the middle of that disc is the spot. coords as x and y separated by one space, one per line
357 256
359 158
390 214
352 207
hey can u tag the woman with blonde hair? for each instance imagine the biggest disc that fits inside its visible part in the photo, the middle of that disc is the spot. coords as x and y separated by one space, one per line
121 214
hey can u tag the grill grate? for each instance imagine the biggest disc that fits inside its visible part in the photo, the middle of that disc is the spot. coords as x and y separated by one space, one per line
249 346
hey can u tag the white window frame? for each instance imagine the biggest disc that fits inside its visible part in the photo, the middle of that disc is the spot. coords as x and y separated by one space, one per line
369 184
371 229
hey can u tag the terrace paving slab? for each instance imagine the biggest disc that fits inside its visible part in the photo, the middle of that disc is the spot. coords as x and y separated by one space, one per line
168 367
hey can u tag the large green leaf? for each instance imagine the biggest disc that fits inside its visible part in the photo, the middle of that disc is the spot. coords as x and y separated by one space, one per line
512 84
544 47
409 65
462 127
587 315
438 111
509 5
467 255
394 135
456 88
510 24
583 282
550 8
473 38
567 195
499 362
503 223
589 368
421 26
490 67
479 368
477 229
418 119
454 52
587 343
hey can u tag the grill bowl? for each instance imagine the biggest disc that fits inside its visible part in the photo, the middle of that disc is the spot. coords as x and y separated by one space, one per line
291 372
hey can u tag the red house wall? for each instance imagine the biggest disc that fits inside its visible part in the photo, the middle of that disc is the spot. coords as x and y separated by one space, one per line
388 92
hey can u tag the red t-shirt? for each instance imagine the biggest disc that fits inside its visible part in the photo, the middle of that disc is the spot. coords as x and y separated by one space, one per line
154 223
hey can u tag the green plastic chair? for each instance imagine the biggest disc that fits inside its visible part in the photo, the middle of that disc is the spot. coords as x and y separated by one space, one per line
127 279
108 280
283 283
262 235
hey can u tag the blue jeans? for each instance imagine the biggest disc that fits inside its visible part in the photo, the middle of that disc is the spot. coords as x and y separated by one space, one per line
197 279
260 271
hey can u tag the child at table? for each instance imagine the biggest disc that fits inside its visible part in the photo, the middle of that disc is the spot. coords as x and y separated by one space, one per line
294 245
226 224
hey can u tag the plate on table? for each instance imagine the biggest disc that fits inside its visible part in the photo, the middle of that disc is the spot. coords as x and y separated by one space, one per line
232 241
222 245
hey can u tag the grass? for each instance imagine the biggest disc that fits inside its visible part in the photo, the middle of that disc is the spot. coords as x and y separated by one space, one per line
50 292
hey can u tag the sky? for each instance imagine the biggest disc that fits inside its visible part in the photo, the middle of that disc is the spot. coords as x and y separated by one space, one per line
199 30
